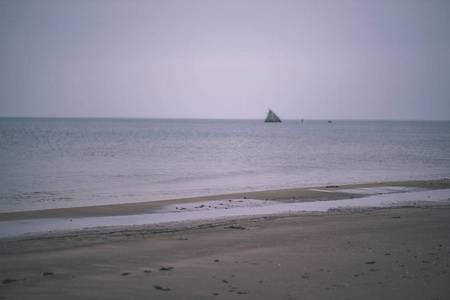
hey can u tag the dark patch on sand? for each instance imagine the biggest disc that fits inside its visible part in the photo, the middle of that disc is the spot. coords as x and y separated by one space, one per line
8 280
159 288
235 227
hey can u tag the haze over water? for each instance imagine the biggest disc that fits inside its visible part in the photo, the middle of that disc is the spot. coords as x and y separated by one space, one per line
49 163
225 59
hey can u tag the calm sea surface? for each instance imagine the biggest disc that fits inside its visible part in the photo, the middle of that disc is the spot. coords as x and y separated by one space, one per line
49 163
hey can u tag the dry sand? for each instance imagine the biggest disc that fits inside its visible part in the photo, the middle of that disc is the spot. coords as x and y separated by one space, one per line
396 253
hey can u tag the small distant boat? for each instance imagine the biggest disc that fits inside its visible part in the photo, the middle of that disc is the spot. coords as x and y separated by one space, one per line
330 122
272 118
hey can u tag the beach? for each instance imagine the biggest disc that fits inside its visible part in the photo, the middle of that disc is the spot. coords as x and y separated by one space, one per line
398 252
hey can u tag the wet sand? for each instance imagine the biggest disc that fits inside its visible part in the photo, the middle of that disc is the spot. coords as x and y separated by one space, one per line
284 195
395 253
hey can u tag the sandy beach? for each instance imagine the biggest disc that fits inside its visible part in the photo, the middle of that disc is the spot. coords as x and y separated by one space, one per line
358 253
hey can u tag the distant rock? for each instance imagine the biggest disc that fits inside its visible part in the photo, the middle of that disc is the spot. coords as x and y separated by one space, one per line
272 117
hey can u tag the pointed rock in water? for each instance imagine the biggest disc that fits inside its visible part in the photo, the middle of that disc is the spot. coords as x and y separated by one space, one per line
272 118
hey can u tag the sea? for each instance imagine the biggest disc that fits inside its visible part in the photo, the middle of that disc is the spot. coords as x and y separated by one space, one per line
55 163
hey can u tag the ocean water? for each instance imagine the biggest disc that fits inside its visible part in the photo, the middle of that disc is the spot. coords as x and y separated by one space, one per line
53 163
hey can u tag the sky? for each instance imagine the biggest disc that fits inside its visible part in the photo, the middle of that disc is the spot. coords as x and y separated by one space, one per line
225 59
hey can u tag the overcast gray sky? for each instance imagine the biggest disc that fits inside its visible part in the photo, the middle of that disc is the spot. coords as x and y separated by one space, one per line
225 59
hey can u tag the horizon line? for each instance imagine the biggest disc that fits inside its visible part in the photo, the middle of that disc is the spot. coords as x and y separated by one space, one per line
218 119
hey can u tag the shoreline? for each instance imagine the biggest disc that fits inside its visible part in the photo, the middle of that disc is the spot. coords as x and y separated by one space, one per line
324 199
304 194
